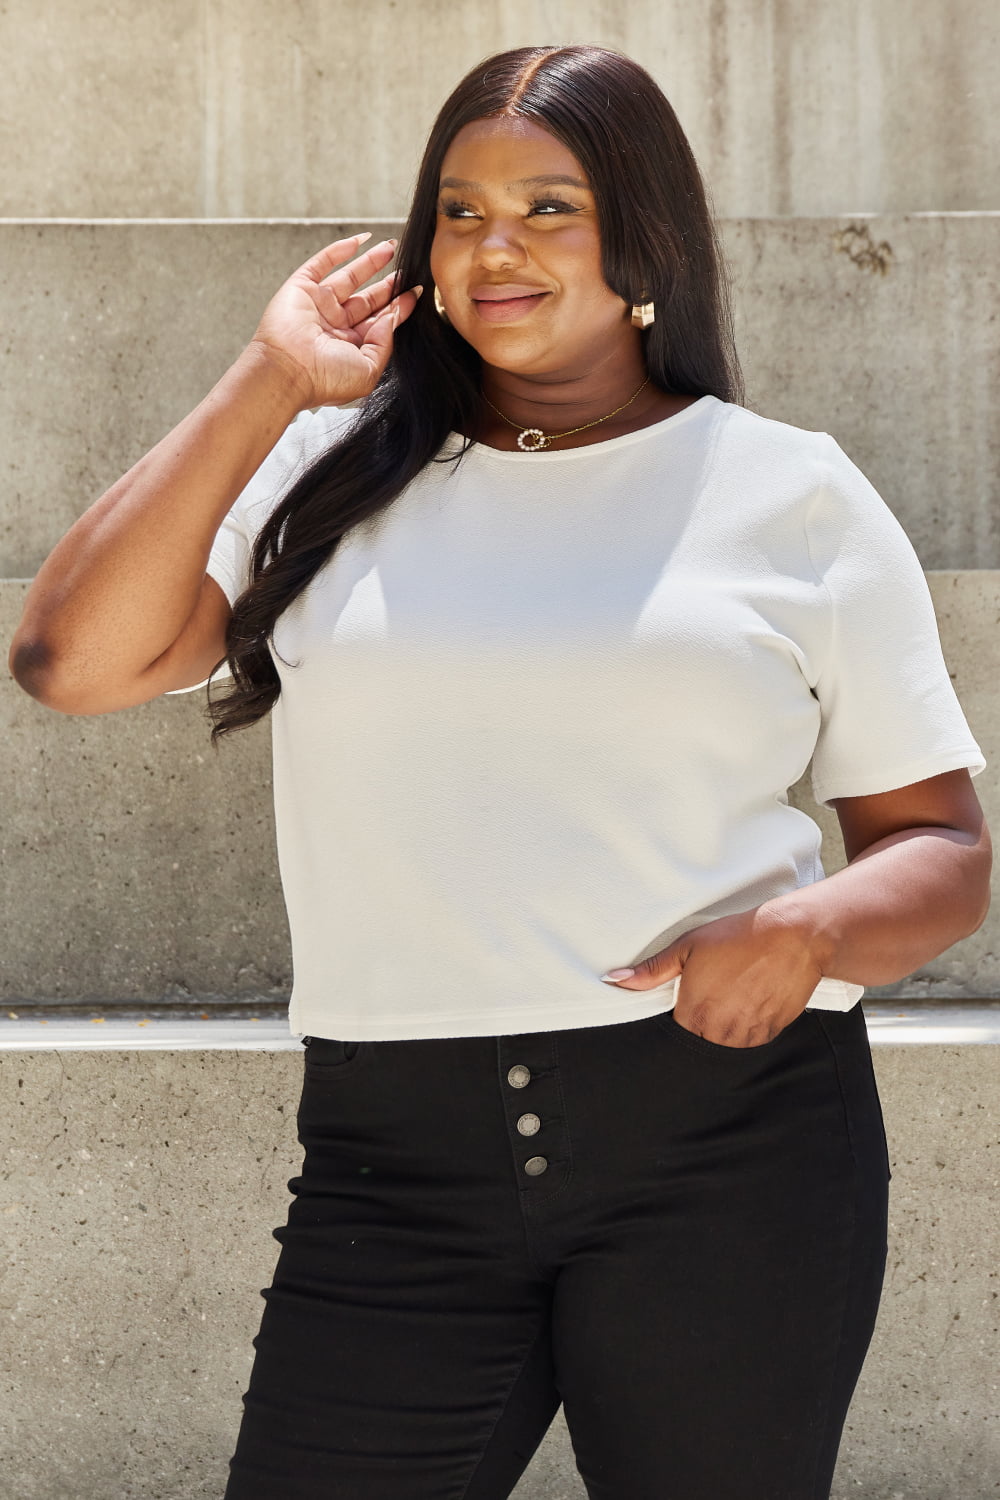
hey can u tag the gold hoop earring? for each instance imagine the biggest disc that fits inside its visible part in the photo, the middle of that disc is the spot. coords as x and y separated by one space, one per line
439 304
643 314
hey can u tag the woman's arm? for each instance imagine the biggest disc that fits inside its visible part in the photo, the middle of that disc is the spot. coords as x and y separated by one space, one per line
117 592
122 610
917 882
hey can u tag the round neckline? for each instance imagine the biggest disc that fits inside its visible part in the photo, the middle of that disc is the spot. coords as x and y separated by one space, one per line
545 456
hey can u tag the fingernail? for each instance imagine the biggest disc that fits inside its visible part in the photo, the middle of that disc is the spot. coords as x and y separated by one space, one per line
417 291
393 243
366 235
614 974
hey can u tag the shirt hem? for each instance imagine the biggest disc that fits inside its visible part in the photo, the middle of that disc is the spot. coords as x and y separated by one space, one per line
967 759
830 994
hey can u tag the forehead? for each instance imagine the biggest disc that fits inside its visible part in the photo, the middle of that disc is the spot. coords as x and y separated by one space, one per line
499 154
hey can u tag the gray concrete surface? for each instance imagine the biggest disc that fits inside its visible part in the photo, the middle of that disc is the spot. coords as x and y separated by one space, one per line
136 863
117 330
138 1194
261 108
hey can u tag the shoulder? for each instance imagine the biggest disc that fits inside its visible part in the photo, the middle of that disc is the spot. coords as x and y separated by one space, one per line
800 466
747 435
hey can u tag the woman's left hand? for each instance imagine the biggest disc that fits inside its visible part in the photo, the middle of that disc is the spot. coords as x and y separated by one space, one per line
746 977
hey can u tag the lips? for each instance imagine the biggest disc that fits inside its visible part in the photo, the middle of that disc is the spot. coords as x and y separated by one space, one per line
504 292
505 304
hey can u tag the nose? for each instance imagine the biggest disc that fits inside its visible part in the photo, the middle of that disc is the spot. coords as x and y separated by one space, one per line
499 244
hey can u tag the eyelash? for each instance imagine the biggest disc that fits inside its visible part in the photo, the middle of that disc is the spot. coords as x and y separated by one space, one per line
453 210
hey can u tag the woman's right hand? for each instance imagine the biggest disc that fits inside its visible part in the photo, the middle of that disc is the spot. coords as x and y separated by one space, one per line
334 340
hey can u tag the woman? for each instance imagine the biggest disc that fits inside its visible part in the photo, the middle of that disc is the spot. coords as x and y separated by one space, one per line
549 626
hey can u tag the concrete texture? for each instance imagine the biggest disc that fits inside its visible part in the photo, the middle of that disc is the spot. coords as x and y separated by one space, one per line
885 332
118 330
214 107
138 1195
138 863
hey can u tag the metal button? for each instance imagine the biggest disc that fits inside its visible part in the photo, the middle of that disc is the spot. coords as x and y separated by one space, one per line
535 1166
529 1124
518 1076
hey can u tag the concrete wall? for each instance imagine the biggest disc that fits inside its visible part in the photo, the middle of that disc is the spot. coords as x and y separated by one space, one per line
136 1207
261 108
116 331
138 863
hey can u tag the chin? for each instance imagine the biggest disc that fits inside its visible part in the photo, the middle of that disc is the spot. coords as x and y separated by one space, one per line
521 357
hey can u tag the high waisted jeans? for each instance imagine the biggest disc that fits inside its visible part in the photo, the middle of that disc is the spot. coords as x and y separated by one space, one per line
683 1243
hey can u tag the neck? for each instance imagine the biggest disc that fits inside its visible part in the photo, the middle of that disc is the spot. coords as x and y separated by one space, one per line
562 399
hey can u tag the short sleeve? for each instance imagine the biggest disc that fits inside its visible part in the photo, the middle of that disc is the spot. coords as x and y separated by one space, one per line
889 713
309 435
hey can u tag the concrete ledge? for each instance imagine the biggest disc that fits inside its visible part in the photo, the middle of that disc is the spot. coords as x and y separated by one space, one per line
117 329
137 1198
959 1024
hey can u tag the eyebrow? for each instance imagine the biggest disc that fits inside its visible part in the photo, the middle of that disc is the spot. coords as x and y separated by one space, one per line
545 177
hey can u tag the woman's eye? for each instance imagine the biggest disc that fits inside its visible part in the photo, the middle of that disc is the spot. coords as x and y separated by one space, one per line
544 207
553 205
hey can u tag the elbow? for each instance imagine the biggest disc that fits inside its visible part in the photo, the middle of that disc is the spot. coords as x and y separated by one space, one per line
980 896
33 666
984 908
31 662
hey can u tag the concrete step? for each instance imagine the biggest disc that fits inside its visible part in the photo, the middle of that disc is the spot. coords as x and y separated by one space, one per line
257 108
879 330
138 864
137 1202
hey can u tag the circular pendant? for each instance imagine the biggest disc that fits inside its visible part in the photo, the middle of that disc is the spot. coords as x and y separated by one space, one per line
532 439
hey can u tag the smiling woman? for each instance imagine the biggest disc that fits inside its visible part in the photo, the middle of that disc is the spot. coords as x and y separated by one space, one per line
549 627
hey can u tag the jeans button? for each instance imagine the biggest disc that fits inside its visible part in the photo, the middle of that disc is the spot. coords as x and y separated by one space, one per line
529 1124
518 1076
535 1166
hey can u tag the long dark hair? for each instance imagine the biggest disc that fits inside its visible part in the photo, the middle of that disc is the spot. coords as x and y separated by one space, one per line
658 240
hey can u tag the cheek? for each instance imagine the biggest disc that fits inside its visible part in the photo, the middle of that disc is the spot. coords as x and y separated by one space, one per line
445 258
577 262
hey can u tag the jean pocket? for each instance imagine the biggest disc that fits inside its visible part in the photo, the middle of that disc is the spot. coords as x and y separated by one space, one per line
329 1054
668 1023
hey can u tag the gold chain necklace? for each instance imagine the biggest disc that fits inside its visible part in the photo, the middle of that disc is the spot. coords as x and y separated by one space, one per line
533 439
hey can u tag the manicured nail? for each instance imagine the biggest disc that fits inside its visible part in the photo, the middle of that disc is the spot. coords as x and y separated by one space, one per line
615 974
365 235
418 291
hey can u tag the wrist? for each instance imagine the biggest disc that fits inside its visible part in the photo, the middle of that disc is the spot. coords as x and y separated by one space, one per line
803 919
275 372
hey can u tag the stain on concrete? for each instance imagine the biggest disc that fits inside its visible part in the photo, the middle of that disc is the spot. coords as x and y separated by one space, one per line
855 241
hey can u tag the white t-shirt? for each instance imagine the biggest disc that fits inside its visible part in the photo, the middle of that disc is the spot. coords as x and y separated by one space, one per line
540 716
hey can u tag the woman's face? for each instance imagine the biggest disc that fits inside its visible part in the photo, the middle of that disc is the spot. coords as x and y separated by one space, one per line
517 252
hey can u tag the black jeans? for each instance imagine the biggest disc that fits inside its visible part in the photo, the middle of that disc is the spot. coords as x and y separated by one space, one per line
683 1243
